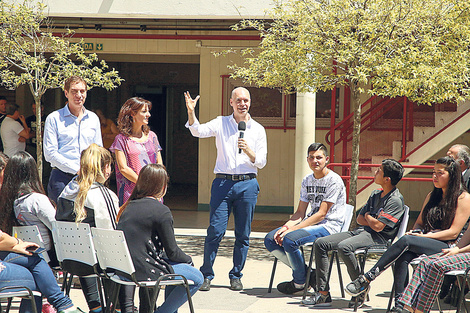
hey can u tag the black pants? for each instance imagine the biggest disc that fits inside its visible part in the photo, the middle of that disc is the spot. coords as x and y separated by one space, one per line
402 252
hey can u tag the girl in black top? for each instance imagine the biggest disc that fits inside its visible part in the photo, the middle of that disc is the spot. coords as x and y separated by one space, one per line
148 227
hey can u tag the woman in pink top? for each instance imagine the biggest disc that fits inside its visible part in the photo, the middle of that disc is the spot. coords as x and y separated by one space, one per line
135 146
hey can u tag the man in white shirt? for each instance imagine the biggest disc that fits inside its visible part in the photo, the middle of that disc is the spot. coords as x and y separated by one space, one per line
14 134
235 187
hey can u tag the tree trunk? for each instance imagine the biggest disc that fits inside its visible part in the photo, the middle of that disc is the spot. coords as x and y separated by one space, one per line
37 100
355 145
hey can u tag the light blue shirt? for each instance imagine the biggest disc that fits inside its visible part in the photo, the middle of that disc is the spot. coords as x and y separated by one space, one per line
65 137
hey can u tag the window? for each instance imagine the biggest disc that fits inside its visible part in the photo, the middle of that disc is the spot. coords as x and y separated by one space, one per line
270 107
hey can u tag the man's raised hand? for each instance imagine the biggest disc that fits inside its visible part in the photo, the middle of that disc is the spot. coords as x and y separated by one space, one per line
190 102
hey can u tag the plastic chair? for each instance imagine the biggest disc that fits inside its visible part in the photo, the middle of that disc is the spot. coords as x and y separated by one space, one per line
18 292
363 254
75 252
115 259
31 234
463 280
345 227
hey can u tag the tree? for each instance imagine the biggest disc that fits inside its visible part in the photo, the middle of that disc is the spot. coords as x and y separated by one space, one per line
31 54
413 48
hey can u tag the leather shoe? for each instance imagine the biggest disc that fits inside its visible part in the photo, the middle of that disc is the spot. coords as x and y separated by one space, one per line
236 284
206 285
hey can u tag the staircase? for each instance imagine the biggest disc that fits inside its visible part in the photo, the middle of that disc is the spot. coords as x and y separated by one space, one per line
426 131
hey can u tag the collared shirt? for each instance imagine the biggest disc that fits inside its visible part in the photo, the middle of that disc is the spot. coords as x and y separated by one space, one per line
225 131
65 137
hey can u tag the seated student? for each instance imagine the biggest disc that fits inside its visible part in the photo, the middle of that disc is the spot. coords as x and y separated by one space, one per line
379 219
440 224
86 200
324 190
23 200
19 267
148 227
428 276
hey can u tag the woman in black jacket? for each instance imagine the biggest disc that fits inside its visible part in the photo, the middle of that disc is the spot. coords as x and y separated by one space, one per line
148 227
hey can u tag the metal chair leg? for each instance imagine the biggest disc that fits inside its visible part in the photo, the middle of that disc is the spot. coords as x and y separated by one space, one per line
270 288
309 270
340 276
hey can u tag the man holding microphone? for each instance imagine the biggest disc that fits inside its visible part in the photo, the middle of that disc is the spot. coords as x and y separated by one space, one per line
241 151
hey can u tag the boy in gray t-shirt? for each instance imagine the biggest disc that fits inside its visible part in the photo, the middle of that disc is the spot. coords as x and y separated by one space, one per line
324 190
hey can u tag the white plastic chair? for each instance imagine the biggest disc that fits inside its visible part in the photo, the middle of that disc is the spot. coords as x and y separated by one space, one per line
345 227
116 262
75 252
31 234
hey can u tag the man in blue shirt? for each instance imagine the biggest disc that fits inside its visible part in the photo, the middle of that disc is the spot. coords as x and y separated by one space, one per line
67 132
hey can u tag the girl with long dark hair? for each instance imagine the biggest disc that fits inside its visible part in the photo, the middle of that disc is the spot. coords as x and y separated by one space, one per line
23 200
148 227
440 225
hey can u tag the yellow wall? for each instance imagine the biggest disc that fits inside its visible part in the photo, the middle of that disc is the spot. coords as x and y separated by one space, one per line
276 179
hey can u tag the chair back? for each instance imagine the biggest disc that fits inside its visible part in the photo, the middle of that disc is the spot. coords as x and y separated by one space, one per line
31 234
112 251
404 223
348 218
74 247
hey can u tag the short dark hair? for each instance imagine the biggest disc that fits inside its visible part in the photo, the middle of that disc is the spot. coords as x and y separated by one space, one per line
317 146
393 170
11 108
3 98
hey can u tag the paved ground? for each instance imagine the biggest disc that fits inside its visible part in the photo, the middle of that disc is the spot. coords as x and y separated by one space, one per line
255 298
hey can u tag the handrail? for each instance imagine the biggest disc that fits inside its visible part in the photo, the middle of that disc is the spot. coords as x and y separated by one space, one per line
382 104
366 115
405 156
348 177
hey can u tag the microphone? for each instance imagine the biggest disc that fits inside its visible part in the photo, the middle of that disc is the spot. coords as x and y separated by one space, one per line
241 128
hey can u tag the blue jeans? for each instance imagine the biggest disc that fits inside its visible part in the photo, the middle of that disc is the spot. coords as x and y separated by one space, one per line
34 273
57 182
226 196
175 296
289 253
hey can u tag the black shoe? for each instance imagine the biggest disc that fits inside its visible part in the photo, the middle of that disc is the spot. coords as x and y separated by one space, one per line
360 300
288 288
318 300
358 286
206 285
236 284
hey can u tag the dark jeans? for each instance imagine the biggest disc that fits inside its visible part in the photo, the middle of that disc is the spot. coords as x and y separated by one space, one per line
57 182
226 196
346 243
402 252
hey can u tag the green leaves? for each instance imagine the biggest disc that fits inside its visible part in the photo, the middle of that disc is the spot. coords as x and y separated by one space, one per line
413 48
31 54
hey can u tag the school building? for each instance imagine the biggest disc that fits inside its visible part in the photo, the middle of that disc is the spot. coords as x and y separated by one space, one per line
163 48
